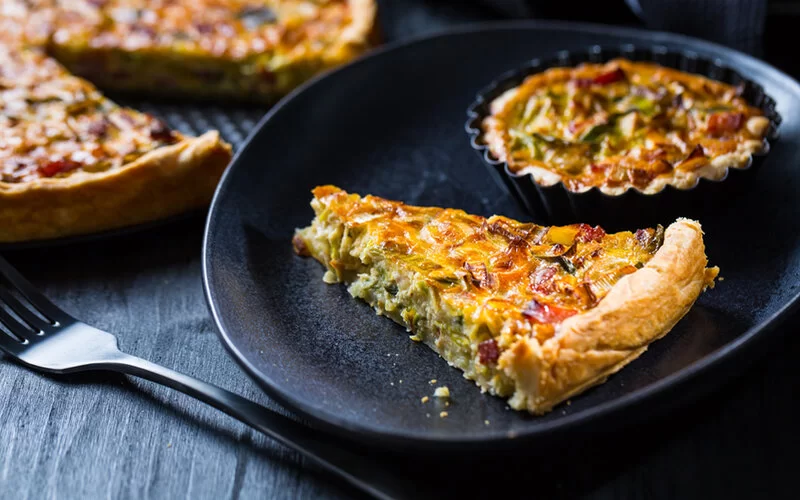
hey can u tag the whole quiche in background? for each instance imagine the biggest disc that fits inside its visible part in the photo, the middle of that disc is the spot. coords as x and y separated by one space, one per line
73 162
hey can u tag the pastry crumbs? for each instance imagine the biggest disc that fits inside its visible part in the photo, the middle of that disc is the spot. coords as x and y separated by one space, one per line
442 392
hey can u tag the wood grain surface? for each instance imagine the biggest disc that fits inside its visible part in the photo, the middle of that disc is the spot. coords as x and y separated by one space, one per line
109 436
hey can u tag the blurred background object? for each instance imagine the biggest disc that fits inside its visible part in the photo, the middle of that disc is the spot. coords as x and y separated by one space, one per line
763 28
736 23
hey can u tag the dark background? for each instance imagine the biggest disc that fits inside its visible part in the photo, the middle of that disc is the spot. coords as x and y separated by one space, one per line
109 436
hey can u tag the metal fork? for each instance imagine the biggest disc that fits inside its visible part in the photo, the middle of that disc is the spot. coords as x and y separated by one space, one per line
44 337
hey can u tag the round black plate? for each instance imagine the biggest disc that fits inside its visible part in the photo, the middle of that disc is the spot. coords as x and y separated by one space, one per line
392 124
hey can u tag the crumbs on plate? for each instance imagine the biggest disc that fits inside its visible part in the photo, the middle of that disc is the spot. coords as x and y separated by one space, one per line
442 392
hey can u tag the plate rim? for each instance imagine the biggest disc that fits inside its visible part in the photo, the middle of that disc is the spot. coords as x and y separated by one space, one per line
747 342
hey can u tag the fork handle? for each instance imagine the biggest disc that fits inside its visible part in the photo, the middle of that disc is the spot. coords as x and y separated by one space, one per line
360 470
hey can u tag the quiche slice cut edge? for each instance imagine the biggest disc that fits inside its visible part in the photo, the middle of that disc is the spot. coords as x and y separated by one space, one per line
530 313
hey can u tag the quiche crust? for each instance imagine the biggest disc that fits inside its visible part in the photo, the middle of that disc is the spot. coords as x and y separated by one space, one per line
161 183
482 292
641 308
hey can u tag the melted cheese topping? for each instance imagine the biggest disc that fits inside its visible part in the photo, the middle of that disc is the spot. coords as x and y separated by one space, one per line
623 124
489 269
53 124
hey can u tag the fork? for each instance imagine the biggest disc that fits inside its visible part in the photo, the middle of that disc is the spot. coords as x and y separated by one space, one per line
43 337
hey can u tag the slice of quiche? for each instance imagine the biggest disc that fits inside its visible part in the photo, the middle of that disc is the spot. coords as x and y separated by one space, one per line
233 49
535 314
73 162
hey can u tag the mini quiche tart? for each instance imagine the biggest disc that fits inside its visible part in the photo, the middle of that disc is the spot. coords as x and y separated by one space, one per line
73 162
622 125
235 49
531 313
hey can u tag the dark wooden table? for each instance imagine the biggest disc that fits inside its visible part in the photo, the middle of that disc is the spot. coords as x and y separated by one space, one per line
108 436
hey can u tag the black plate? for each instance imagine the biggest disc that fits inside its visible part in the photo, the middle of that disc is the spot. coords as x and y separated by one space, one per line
392 124
233 121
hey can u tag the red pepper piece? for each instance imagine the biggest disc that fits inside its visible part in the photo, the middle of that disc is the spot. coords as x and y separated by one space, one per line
488 352
546 313
725 122
609 77
52 168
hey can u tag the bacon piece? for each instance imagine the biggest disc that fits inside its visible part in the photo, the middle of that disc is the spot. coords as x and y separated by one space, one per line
98 128
480 275
588 233
642 176
724 122
653 154
488 352
144 29
543 279
204 28
697 152
160 131
695 159
53 168
300 247
546 313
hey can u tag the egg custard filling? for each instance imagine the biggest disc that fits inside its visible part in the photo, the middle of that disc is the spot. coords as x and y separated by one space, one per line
501 299
622 125
56 125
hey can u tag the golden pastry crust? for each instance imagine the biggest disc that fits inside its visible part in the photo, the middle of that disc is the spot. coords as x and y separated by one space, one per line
164 182
622 125
641 308
528 312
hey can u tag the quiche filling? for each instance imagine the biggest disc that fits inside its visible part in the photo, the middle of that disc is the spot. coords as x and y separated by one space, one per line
623 124
53 124
467 286
233 48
